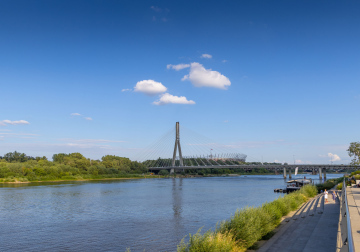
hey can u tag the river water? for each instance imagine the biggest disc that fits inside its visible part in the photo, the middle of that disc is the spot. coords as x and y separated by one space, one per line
145 214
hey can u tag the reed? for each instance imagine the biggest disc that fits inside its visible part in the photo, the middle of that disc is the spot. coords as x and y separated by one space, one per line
247 225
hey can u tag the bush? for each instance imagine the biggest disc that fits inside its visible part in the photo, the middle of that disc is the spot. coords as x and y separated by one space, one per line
339 186
328 184
164 172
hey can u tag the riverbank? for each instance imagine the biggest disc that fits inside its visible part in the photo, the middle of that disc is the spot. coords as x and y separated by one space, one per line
248 225
25 181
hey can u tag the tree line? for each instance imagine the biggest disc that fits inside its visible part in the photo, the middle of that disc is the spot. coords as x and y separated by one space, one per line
66 166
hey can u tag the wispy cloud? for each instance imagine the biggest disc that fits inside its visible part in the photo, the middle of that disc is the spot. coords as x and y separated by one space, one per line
177 67
7 122
7 135
206 56
156 9
201 77
90 140
85 117
126 90
168 99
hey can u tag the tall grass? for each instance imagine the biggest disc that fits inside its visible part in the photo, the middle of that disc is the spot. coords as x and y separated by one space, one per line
328 184
248 225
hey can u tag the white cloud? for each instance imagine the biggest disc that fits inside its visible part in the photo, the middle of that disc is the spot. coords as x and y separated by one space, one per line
5 122
224 61
168 98
88 118
334 157
206 56
177 67
75 114
150 87
201 77
126 89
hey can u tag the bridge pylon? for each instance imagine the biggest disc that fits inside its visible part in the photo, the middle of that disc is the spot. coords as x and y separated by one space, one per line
177 146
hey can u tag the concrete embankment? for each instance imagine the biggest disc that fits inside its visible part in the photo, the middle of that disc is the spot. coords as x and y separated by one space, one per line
312 228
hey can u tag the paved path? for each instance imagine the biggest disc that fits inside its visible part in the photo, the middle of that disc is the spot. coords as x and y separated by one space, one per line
312 229
353 196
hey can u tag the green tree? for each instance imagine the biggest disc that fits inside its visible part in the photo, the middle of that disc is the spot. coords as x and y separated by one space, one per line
15 157
354 152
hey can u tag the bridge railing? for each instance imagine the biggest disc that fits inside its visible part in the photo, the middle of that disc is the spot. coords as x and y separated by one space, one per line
346 239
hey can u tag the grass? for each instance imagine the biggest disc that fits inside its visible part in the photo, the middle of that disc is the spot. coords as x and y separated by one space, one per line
247 225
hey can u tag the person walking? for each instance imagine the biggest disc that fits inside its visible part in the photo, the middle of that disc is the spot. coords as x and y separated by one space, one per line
326 195
333 195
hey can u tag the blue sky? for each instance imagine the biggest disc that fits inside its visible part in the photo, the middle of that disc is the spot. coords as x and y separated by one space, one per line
276 80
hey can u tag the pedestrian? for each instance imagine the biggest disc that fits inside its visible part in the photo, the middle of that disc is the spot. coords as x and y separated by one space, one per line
334 196
326 196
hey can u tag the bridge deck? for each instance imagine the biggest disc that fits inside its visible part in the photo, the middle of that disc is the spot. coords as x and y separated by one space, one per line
273 167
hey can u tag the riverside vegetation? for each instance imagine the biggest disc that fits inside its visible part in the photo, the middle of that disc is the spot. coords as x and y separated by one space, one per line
247 226
18 167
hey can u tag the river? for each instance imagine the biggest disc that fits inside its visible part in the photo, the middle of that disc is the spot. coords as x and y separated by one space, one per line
143 214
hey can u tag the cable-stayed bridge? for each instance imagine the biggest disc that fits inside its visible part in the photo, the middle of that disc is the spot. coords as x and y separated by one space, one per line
167 155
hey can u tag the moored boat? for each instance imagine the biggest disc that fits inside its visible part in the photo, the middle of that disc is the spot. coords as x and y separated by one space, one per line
296 184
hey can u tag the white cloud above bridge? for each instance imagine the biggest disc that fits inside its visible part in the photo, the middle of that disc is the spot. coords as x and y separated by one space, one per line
201 77
168 99
333 157
150 87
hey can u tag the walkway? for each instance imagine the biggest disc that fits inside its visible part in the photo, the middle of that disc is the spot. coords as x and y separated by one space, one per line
353 195
313 228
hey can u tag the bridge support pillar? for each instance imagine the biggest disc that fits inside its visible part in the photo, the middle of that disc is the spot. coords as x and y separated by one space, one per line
290 173
172 171
284 173
320 173
324 171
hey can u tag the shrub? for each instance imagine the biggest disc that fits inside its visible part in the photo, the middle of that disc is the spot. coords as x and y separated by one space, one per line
164 172
339 186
